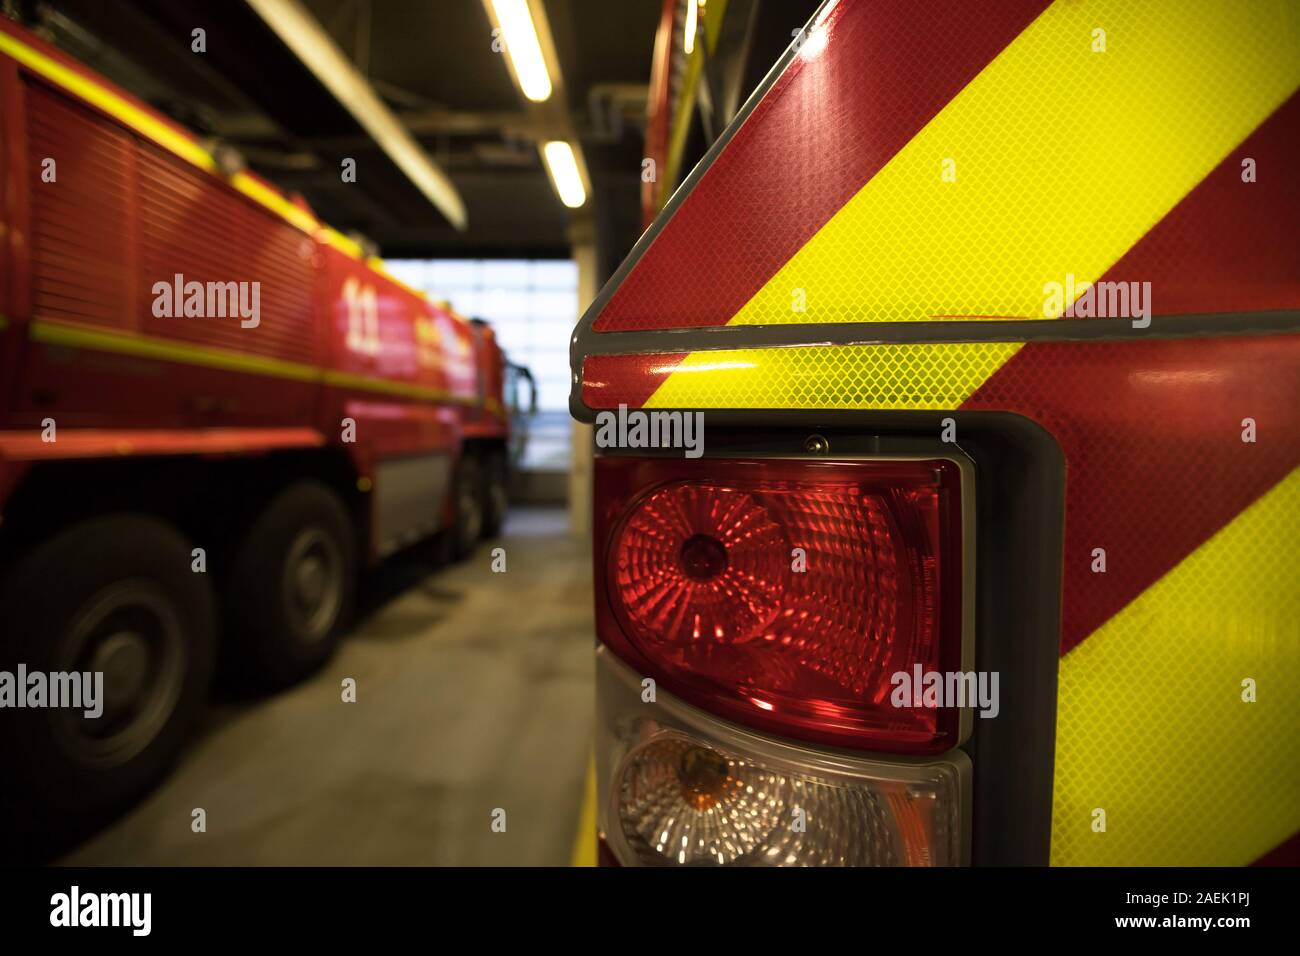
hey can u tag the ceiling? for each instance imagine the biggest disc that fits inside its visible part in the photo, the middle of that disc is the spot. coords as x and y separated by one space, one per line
432 62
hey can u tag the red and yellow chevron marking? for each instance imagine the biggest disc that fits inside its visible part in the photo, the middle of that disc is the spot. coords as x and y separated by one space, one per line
1151 723
1229 245
868 82
1063 159
905 376
1158 476
1125 165
1200 532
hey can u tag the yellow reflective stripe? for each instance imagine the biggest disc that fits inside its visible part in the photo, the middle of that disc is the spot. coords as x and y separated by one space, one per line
108 101
166 350
390 387
341 242
1064 158
1151 725
584 841
50 332
909 376
353 250
153 129
378 266
261 193
183 146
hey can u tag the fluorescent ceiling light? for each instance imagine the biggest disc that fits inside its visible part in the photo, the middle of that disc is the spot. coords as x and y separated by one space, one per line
692 26
523 48
563 167
302 34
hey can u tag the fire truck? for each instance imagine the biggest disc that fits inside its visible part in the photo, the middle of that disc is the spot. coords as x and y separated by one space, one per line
992 313
215 410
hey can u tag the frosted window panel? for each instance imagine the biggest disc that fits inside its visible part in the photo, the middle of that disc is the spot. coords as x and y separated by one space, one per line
555 274
455 273
511 274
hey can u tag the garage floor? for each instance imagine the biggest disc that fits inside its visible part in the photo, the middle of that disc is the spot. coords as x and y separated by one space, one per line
474 692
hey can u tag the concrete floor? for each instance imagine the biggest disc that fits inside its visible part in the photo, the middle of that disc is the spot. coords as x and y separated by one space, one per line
474 692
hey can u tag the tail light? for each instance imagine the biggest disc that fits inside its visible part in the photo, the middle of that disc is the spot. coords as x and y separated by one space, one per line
786 595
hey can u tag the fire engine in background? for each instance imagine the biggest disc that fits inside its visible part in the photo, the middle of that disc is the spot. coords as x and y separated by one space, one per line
993 315
214 410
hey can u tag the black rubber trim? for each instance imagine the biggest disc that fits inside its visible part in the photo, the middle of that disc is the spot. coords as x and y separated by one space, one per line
1210 325
879 333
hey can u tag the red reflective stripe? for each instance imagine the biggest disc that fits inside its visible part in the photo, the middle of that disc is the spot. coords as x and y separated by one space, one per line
829 123
1229 245
612 380
1152 436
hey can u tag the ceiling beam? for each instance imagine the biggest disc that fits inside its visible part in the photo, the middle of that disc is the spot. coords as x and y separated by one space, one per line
303 34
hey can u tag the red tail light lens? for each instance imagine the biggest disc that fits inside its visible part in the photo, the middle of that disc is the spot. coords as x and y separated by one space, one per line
786 595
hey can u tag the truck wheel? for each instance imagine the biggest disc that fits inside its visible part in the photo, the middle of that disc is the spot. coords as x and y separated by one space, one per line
291 587
469 505
496 494
114 595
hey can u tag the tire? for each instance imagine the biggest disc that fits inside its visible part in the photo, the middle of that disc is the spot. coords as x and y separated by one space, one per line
468 489
496 494
291 587
114 594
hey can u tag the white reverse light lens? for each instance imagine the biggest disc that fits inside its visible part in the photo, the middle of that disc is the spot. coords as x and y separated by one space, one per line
563 167
523 48
682 788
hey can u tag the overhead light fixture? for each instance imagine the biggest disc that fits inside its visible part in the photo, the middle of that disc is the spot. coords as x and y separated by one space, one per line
562 164
523 48
692 25
303 34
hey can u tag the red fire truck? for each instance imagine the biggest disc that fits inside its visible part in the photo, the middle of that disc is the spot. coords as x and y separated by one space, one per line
214 410
992 315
